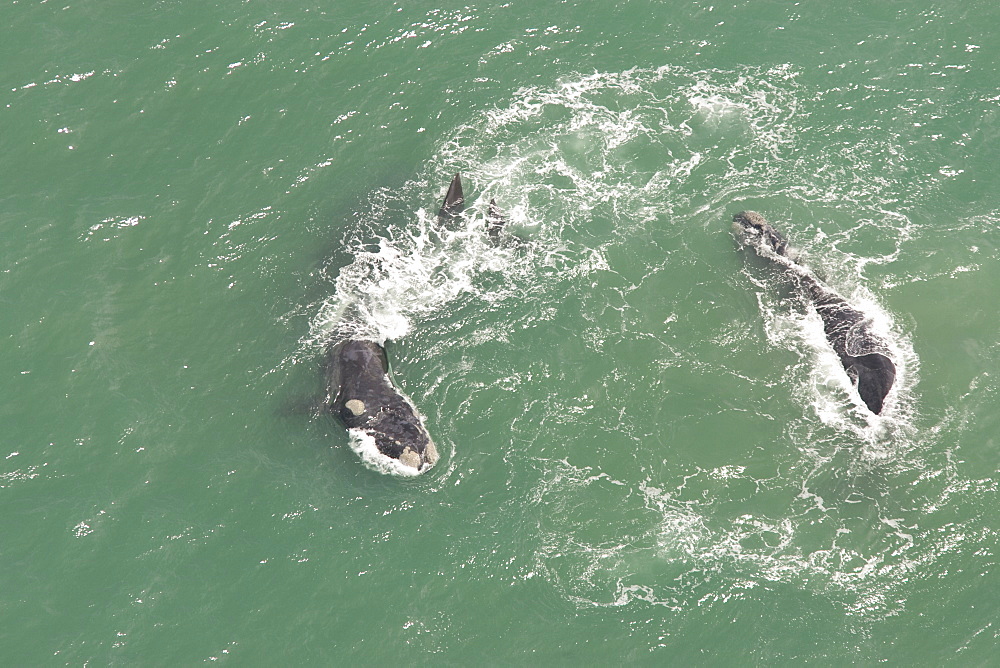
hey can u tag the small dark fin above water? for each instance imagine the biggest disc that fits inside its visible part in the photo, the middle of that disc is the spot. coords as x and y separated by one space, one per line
494 221
454 200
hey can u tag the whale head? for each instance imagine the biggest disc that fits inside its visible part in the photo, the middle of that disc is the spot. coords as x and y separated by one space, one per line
365 400
757 232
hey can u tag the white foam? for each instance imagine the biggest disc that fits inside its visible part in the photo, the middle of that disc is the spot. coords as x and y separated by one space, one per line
579 137
412 274
561 159
716 109
689 555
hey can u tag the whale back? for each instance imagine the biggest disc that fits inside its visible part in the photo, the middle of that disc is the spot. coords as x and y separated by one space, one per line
861 351
874 375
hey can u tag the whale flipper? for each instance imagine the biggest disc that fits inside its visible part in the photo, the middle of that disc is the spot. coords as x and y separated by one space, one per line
861 351
364 399
454 200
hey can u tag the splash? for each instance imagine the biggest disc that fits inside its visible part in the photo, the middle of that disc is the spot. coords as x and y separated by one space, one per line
615 176
576 167
413 272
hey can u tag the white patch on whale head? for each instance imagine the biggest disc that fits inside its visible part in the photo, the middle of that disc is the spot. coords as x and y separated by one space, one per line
410 457
356 406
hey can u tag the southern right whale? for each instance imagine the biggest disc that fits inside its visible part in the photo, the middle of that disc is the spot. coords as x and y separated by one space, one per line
363 397
861 351
360 391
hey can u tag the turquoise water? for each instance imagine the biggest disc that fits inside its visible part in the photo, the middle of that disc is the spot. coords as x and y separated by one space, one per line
648 453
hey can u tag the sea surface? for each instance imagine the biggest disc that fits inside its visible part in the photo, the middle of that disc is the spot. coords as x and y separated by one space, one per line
649 454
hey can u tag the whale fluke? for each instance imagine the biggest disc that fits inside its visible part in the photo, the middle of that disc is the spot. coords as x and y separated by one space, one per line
848 330
454 200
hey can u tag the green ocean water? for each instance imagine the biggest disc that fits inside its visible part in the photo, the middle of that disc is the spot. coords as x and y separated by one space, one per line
649 455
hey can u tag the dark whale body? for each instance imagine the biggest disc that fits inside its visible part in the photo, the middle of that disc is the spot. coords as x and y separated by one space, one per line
848 330
364 398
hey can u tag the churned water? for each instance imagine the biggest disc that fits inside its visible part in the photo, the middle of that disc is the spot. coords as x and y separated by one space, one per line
649 454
